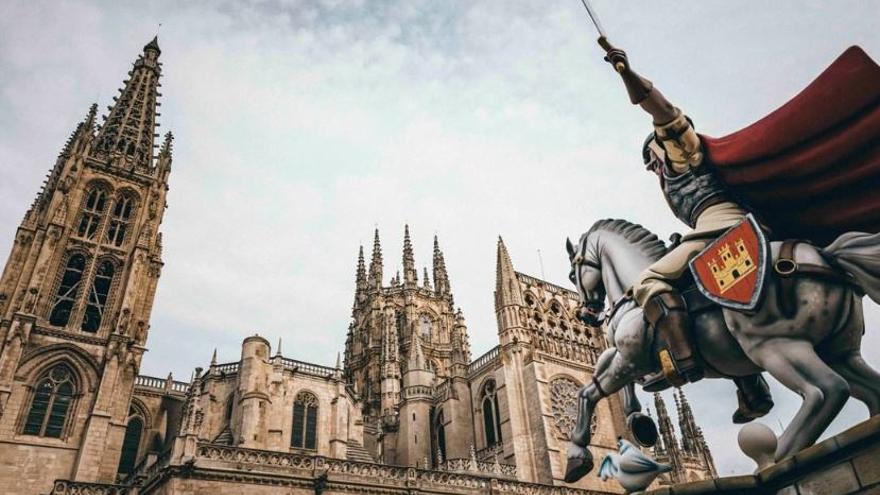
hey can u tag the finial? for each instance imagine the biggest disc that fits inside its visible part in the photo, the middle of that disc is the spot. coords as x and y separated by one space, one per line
214 358
278 352
153 45
167 144
339 360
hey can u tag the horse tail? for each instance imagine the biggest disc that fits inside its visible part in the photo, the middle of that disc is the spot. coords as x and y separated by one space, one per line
858 254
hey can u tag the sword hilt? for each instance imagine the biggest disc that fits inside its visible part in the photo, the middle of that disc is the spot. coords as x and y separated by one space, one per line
607 46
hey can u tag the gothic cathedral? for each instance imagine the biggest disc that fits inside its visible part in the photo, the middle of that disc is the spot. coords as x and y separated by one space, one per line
407 410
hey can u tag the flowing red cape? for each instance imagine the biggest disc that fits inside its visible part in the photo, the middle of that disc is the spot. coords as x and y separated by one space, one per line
811 168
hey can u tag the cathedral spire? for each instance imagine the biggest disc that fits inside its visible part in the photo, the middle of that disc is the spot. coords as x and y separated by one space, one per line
507 290
410 276
128 134
360 276
426 281
669 447
375 278
441 278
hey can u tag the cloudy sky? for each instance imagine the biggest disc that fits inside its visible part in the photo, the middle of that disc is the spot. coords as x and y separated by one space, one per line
302 125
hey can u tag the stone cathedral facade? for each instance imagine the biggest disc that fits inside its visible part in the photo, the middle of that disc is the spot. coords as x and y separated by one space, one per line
408 410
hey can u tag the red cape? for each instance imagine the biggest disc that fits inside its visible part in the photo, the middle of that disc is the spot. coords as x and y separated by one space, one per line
811 168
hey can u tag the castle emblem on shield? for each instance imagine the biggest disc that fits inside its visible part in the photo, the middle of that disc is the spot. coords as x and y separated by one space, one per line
731 270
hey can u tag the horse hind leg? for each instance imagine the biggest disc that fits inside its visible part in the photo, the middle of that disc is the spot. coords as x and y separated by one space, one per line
796 365
864 381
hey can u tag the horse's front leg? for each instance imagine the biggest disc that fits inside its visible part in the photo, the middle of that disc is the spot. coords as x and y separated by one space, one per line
612 373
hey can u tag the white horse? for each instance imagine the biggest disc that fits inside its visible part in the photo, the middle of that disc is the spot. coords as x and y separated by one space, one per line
815 352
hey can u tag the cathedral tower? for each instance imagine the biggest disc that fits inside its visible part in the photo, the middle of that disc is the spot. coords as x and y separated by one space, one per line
395 327
78 287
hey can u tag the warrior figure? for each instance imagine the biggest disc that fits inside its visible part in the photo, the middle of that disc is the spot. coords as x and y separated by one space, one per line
699 199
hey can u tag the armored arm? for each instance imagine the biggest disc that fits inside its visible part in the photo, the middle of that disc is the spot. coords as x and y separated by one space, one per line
673 130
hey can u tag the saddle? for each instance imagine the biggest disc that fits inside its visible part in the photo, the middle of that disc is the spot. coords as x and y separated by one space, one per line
785 269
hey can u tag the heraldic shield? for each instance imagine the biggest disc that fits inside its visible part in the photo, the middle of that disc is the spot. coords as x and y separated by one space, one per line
731 270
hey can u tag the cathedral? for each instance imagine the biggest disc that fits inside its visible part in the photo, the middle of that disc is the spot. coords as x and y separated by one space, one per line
408 409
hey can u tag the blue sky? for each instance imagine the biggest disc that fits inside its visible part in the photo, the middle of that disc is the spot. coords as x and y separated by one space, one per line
301 125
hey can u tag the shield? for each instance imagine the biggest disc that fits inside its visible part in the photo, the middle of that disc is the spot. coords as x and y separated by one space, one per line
731 270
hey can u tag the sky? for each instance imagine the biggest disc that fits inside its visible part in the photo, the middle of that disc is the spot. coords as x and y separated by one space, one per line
303 125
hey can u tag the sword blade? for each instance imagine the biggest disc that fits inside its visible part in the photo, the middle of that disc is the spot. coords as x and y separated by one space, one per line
594 18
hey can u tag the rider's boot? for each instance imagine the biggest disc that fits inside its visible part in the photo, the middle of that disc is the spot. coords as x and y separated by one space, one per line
666 314
754 398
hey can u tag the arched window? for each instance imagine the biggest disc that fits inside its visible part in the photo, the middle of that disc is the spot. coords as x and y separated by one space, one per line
130 444
119 219
425 326
68 289
305 421
93 213
97 297
491 414
51 402
440 437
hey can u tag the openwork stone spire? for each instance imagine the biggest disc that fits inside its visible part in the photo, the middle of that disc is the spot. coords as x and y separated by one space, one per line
361 276
441 278
410 276
128 134
375 278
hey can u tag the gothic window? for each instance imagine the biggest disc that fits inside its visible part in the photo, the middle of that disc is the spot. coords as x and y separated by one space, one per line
130 443
564 406
425 325
93 213
440 435
97 297
68 289
119 219
305 421
51 403
491 414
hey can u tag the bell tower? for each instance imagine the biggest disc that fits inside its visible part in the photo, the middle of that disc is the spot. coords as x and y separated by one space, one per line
78 287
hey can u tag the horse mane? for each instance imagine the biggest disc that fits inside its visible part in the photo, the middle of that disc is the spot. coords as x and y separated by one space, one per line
647 241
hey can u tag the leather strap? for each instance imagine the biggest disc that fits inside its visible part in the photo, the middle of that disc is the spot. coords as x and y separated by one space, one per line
785 267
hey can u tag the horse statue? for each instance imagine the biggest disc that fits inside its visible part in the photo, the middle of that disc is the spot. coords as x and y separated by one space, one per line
814 351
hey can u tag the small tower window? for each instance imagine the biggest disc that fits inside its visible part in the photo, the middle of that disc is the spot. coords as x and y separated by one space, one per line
68 290
130 444
97 298
93 213
491 414
305 421
51 402
119 219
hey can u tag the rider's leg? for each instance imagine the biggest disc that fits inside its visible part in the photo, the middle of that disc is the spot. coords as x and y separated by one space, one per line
755 400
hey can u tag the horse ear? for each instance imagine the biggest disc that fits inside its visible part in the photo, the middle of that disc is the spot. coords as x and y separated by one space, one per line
569 247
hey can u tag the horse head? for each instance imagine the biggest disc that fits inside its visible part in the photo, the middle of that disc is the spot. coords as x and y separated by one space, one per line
586 275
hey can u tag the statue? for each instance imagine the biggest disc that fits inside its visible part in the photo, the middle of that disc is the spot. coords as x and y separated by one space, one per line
789 308
633 469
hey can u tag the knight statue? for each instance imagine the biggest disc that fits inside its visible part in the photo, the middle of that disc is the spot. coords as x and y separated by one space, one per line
696 196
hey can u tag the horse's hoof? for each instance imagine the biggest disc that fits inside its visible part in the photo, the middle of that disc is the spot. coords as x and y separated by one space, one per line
643 429
577 468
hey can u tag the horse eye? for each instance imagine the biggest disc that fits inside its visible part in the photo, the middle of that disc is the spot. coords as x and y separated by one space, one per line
571 277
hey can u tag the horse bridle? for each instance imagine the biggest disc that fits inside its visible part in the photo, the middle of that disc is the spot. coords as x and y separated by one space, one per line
587 304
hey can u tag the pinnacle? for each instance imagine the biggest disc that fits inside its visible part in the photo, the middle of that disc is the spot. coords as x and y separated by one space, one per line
153 45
